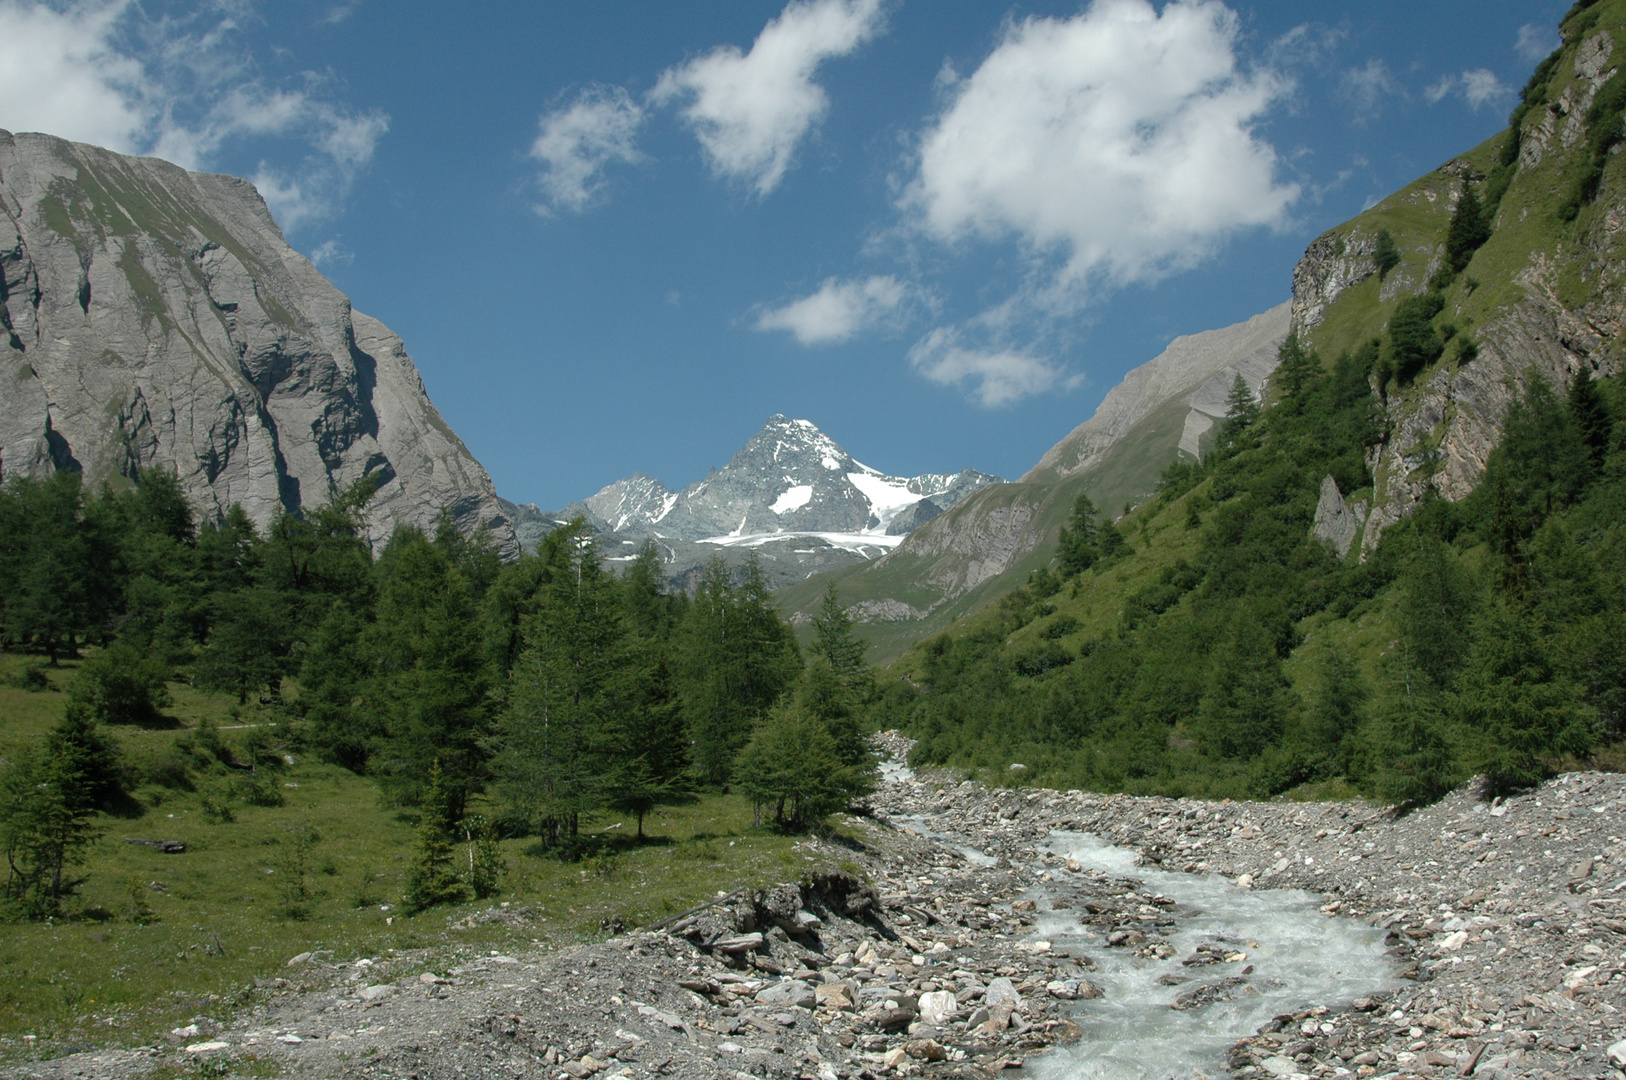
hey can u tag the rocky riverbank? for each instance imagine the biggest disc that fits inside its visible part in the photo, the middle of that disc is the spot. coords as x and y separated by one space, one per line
912 954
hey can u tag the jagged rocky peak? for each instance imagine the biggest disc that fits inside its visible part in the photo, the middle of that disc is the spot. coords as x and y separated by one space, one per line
792 495
639 501
153 316
792 477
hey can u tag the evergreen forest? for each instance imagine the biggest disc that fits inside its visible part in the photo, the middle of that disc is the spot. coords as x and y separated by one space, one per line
1207 644
486 700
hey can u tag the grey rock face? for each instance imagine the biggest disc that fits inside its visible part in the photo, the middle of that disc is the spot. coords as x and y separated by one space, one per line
1337 523
152 316
1199 367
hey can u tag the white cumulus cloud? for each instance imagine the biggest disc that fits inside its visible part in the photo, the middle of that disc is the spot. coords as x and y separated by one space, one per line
837 309
750 110
180 87
1478 87
1119 140
578 140
59 74
992 375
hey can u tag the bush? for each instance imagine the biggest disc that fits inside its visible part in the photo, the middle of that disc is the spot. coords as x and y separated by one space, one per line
121 686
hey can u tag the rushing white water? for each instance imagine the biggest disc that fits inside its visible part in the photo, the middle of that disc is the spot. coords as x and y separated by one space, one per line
1300 958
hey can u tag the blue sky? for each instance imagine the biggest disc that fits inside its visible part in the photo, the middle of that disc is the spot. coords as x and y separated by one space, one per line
619 234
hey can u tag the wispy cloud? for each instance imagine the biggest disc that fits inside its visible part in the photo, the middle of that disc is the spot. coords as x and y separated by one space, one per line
1365 89
750 110
1478 87
180 87
992 376
576 142
837 310
1535 42
330 253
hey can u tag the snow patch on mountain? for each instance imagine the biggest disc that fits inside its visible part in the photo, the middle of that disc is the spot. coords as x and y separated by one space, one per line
793 499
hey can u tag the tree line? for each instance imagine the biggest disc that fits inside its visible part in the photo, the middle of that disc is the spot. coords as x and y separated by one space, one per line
550 688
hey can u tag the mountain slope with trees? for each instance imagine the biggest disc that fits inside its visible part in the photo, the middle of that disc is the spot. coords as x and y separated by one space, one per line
1454 373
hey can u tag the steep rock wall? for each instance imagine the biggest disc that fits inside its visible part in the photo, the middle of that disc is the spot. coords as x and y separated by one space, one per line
152 316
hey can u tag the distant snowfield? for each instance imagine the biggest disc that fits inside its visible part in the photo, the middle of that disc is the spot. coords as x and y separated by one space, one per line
887 495
861 543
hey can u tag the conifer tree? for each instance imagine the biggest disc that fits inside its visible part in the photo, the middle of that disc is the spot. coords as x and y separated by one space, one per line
835 642
1436 608
433 877
1385 255
48 804
1520 711
1416 762
791 767
1296 369
562 728
1076 545
736 656
430 685
1467 232
1590 415
1241 413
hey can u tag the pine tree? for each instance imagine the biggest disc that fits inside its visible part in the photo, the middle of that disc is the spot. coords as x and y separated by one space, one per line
333 689
840 648
1241 413
1076 546
560 735
430 685
1467 232
1247 700
1296 370
735 657
1385 255
1416 763
1590 415
1521 711
433 878
1436 607
1413 343
48 810
791 766
484 865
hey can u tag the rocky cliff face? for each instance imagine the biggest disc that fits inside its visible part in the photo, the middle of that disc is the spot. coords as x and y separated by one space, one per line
152 316
1542 298
1198 368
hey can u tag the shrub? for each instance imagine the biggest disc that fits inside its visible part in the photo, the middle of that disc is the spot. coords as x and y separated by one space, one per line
121 686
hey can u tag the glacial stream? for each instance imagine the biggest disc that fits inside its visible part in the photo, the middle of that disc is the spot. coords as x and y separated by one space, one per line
1295 957
1300 958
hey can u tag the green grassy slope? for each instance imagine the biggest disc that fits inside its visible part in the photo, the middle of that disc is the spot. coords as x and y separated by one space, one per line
158 939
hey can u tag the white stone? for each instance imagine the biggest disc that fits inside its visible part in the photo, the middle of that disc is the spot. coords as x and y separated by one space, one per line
938 1007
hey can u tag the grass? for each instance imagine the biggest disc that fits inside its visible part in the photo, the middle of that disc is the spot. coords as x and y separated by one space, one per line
154 940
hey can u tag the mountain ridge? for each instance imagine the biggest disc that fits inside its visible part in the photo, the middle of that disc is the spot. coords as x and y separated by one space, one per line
791 494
